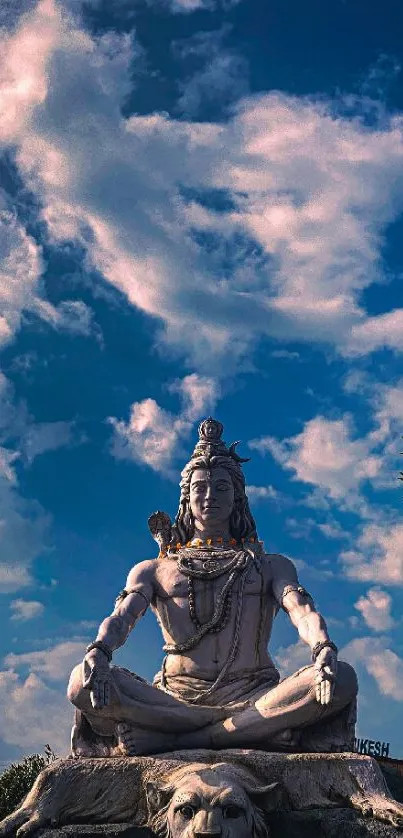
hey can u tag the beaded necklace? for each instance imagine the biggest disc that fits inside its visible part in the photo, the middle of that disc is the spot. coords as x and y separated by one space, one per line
236 567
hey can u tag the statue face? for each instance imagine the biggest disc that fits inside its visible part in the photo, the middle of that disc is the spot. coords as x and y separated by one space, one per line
211 497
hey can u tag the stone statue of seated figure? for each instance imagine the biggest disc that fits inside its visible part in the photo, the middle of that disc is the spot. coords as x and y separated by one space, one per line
215 593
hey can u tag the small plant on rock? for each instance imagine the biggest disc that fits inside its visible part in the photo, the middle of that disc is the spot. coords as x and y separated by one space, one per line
18 779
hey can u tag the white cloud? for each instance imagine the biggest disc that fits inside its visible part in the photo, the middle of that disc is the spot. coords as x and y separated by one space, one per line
149 437
289 659
199 395
333 530
325 455
71 316
311 194
32 711
382 663
188 6
54 663
262 493
379 557
33 714
383 330
24 609
20 288
386 401
375 609
21 268
152 435
23 526
24 69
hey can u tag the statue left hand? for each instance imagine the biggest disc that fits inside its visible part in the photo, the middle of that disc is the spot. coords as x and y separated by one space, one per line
325 675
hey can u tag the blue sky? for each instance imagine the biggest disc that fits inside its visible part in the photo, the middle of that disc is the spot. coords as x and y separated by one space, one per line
201 208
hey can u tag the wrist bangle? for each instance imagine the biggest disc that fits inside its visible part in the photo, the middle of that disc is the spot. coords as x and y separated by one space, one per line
326 644
103 647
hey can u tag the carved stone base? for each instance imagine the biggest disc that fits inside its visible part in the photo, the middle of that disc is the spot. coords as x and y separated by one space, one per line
321 823
133 792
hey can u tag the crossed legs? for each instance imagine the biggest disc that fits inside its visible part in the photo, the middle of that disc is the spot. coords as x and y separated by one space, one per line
289 706
148 720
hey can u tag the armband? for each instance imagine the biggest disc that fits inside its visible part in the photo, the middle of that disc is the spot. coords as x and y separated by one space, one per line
298 590
123 594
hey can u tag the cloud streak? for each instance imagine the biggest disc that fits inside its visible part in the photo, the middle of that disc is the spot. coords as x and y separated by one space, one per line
23 609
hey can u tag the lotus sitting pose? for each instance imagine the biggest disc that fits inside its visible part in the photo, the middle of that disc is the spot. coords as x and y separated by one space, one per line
215 593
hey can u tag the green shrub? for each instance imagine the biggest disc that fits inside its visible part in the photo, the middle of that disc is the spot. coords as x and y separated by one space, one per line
18 779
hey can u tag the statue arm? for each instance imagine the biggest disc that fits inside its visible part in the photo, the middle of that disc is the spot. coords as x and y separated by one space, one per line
297 603
130 605
311 626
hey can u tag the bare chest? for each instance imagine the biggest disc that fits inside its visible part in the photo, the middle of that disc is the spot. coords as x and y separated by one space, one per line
173 584
185 603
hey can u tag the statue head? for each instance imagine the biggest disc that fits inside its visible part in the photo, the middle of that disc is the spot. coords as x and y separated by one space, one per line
222 800
217 468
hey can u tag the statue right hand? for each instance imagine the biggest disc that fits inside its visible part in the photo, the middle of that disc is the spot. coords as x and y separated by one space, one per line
97 678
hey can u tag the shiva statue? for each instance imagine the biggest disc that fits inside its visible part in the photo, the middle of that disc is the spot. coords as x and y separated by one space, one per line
215 593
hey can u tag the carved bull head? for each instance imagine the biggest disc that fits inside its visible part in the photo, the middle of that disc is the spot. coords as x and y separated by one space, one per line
219 801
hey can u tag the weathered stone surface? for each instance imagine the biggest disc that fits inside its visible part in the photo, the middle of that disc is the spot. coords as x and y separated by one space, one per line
325 823
117 830
321 823
308 788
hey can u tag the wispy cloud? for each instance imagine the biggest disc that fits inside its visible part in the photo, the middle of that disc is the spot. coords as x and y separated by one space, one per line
325 455
32 714
46 436
54 663
375 609
385 666
378 557
24 609
291 658
35 712
24 524
23 530
214 75
262 493
153 436
21 268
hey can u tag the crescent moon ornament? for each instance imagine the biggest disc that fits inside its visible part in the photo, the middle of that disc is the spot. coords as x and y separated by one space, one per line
236 456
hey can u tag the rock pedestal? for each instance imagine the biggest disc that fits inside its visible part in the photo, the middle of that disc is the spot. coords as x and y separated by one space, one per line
321 823
340 795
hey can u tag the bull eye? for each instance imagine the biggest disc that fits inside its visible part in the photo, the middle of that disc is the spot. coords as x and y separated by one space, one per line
232 811
187 812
